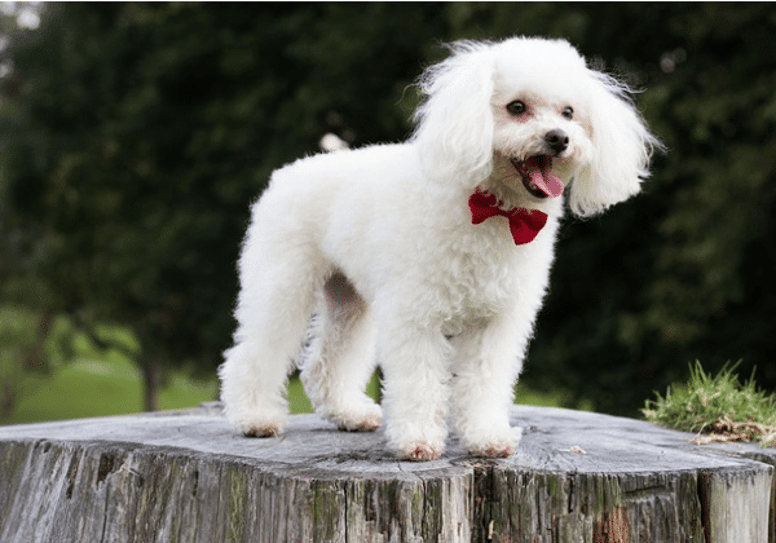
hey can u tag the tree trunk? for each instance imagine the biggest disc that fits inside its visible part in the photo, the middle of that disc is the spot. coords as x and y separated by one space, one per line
8 397
577 477
152 378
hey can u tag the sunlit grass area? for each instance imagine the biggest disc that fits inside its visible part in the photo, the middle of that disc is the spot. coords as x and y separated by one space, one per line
92 388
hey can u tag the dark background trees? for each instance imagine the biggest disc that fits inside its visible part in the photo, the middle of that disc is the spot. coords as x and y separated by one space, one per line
135 137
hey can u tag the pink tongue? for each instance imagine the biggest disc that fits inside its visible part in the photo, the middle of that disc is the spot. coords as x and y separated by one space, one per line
539 171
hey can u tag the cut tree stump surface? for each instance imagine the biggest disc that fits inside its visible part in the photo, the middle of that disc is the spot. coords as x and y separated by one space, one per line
186 476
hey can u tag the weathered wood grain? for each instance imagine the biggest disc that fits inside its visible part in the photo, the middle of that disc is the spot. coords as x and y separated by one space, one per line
577 477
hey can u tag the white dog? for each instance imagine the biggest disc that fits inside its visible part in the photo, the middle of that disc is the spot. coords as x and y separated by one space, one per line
429 257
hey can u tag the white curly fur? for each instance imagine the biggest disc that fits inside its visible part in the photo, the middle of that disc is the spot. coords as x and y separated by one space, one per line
379 244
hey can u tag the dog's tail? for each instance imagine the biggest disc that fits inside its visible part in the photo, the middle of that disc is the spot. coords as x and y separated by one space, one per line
332 142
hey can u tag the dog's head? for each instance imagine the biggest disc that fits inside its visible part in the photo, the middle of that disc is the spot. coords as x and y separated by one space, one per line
536 113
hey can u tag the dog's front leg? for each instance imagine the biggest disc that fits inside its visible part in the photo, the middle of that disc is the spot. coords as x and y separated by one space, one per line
415 363
487 362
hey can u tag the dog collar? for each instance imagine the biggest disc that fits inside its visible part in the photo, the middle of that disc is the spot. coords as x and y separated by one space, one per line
524 224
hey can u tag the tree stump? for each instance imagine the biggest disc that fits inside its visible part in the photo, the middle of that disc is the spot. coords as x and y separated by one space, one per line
186 476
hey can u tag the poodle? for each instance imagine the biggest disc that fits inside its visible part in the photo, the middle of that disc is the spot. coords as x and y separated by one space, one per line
429 257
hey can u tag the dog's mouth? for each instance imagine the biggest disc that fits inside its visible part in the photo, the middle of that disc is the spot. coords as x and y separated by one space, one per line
538 179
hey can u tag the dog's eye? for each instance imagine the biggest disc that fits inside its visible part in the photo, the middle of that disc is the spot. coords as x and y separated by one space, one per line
516 108
567 113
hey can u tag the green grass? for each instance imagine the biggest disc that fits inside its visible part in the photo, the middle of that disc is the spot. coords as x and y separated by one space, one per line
93 388
90 388
719 406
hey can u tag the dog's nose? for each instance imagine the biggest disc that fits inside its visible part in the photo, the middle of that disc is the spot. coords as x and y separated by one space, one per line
557 141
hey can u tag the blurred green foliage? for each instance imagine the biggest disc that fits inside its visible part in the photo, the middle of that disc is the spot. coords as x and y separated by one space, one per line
134 137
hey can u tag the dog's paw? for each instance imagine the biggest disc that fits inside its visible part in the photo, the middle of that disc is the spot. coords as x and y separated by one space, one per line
421 452
265 429
359 414
496 451
250 424
496 446
362 415
365 423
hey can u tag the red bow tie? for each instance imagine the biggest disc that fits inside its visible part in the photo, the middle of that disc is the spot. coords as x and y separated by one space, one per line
524 224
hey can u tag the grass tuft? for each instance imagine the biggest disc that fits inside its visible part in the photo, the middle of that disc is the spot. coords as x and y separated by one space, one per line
719 406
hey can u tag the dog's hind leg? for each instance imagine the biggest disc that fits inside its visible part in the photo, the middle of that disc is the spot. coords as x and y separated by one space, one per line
279 276
340 357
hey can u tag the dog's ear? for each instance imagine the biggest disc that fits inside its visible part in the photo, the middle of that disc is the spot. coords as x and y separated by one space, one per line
622 147
455 123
